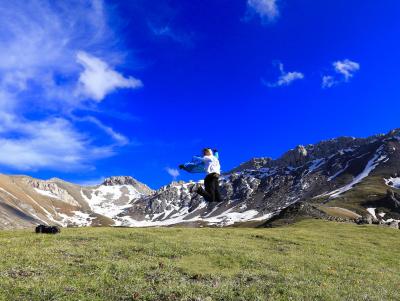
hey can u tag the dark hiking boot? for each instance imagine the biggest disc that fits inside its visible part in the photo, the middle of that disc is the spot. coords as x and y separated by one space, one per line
200 190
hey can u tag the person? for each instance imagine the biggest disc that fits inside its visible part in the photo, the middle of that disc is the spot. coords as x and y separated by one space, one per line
209 164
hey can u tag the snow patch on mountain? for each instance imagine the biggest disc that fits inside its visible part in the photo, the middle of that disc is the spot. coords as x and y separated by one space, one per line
382 214
371 165
111 200
226 218
345 168
393 182
315 165
46 193
173 216
339 172
77 219
372 212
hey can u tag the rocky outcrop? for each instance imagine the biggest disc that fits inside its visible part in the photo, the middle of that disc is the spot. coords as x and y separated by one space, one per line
253 164
119 180
367 220
294 213
393 199
303 154
295 157
52 190
126 180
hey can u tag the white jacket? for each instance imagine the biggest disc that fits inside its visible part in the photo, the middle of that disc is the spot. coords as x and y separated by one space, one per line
211 164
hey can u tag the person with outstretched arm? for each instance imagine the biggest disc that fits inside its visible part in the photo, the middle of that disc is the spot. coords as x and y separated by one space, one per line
209 164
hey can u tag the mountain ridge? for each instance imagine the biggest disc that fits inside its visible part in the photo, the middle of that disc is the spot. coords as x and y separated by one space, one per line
335 176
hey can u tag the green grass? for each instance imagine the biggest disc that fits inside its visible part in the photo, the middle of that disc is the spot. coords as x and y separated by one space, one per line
371 188
311 260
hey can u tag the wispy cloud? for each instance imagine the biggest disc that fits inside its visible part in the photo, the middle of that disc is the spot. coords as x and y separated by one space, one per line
285 78
267 10
52 143
167 31
344 69
44 46
173 172
328 81
117 137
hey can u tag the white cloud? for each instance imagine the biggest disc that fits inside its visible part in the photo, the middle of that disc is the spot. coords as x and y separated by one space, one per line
344 69
286 78
98 79
44 46
173 172
347 68
266 9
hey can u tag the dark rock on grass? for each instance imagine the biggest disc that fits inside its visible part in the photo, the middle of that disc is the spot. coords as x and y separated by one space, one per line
47 229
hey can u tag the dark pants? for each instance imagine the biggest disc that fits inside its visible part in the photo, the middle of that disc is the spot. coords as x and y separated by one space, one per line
211 192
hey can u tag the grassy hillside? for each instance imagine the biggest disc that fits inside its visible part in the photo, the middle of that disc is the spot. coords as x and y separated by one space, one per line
370 189
312 260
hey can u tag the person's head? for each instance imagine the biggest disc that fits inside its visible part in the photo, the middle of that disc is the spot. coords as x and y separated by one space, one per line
207 152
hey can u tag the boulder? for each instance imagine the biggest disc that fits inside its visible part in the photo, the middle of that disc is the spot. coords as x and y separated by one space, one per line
367 220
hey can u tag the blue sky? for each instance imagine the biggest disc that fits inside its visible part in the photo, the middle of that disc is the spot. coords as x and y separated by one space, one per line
90 89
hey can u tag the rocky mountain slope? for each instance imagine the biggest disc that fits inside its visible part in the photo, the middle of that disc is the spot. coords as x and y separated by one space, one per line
25 201
344 179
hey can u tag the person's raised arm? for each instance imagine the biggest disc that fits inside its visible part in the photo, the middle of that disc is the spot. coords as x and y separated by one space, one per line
199 159
196 166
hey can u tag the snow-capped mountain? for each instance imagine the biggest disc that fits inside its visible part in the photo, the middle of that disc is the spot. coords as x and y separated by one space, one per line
25 201
344 178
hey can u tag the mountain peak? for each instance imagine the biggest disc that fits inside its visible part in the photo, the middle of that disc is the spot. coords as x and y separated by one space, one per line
127 180
119 180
